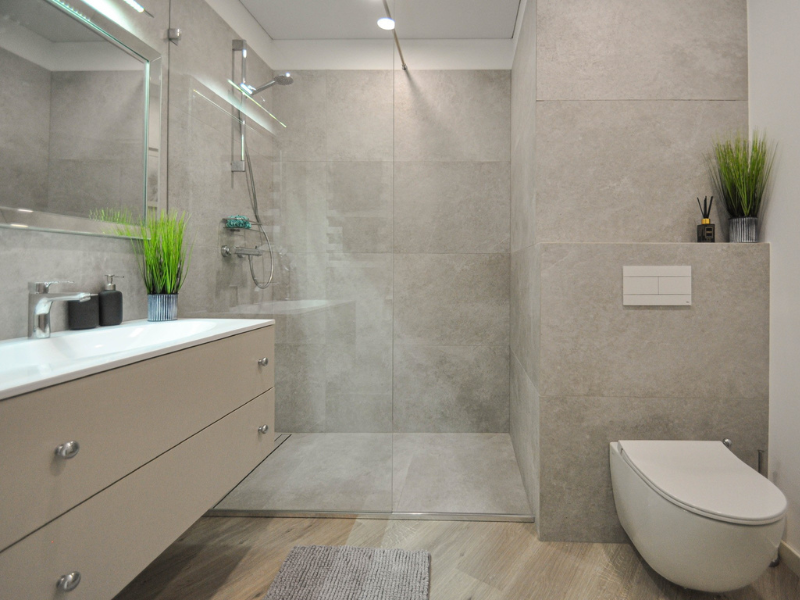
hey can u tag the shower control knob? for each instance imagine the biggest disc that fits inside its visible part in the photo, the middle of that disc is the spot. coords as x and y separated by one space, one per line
68 450
263 429
69 582
263 361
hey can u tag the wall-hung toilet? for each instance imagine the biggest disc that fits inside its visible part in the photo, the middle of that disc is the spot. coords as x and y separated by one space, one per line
697 514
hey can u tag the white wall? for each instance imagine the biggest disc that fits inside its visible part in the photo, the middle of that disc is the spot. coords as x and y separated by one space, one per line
774 48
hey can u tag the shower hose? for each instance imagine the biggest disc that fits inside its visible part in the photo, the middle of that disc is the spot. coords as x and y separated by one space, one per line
251 188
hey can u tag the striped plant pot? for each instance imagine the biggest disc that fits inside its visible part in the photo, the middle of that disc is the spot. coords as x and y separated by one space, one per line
162 307
743 230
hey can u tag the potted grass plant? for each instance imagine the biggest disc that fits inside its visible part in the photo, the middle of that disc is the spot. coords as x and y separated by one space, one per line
164 255
740 172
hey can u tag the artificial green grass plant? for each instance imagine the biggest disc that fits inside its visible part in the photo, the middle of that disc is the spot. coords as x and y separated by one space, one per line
163 251
740 171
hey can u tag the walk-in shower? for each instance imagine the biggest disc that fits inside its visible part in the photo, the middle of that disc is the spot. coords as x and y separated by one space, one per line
386 402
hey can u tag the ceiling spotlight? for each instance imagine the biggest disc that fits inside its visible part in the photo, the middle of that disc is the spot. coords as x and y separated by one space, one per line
138 7
386 23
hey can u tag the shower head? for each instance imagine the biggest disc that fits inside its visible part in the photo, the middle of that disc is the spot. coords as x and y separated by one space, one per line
285 79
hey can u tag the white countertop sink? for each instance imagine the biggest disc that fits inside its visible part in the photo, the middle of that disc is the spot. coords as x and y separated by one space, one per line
28 364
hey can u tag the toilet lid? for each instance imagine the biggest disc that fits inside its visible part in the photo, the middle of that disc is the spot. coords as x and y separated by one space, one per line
706 478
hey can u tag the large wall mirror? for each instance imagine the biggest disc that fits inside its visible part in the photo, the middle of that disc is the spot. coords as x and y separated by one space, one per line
80 119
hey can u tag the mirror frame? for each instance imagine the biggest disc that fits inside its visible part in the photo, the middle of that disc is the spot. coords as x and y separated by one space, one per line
23 218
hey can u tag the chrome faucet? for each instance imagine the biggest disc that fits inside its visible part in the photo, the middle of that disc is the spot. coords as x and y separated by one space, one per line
40 300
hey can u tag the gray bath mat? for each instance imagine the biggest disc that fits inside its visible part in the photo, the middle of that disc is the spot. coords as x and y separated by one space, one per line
348 573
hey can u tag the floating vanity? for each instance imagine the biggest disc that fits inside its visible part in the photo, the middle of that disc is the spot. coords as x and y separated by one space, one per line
114 441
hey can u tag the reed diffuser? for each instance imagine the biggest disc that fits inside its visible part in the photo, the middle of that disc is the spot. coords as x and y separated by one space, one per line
706 231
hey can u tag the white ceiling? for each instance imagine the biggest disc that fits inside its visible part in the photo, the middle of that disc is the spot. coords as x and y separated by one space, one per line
356 19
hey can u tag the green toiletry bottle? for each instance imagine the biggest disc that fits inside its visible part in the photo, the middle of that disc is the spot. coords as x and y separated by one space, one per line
110 303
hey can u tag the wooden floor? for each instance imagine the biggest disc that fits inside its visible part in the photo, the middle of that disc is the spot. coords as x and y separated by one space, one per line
237 559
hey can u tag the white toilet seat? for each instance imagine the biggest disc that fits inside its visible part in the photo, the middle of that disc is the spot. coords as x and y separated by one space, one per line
699 516
705 478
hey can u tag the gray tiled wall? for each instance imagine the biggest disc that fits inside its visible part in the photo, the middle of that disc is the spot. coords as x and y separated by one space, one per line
201 125
25 123
524 290
96 142
613 112
391 203
610 372
451 240
627 109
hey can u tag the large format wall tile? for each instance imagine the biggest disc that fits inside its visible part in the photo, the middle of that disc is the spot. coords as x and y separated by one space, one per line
523 130
576 499
593 346
524 428
299 388
300 198
301 107
451 299
524 300
358 387
360 202
359 106
625 171
523 74
618 49
366 280
206 43
451 207
452 115
448 389
24 132
523 187
357 412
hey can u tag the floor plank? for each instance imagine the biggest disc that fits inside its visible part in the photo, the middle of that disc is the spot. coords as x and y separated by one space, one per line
237 558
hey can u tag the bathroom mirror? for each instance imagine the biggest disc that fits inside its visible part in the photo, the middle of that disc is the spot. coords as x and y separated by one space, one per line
80 122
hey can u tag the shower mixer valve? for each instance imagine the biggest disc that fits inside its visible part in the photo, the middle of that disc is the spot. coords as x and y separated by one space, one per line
241 252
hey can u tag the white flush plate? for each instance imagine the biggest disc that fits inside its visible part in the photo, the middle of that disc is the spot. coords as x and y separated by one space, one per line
657 286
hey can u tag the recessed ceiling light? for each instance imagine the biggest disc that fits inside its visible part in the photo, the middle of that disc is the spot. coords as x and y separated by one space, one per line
135 5
386 23
138 7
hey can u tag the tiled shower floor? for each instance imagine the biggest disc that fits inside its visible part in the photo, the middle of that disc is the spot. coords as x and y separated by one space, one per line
382 472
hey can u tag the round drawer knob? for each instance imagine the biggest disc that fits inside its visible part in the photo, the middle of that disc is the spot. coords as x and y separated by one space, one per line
68 450
263 429
263 361
69 581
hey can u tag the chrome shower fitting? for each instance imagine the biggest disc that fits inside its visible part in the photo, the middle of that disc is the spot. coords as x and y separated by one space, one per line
245 166
227 251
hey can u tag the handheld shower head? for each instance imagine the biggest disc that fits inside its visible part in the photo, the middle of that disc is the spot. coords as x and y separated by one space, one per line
285 79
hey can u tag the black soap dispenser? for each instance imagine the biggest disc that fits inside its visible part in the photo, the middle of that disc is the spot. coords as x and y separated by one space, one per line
110 303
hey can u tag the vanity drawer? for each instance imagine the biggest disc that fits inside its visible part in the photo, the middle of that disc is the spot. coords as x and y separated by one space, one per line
112 536
121 419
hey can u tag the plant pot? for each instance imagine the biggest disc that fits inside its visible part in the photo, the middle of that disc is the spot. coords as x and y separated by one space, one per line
162 307
743 230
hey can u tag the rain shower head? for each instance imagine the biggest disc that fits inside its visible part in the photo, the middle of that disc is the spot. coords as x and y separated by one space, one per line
285 79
